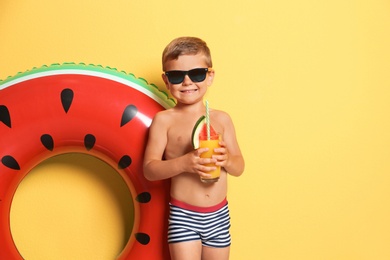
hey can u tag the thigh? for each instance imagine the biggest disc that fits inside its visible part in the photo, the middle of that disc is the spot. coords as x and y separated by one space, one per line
215 253
190 250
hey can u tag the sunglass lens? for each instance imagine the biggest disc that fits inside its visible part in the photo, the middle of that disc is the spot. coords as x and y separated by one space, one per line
197 75
175 77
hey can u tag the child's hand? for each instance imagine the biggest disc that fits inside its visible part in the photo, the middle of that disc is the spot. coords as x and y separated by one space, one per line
223 154
197 165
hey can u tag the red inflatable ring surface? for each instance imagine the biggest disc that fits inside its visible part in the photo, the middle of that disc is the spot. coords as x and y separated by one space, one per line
86 109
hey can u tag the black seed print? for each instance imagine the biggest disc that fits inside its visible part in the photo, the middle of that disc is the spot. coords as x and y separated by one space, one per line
142 238
4 116
143 197
10 162
66 98
47 141
89 141
124 162
128 114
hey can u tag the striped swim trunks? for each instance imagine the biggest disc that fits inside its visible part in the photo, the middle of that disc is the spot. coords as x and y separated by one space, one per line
210 225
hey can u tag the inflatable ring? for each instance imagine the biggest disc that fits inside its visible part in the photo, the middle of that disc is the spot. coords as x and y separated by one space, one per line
87 109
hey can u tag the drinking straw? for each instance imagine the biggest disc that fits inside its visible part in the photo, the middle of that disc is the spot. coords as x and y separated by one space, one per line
208 119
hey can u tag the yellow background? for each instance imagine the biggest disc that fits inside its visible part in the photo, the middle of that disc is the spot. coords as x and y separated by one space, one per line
307 84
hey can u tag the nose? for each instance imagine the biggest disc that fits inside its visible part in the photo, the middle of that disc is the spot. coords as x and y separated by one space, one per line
187 80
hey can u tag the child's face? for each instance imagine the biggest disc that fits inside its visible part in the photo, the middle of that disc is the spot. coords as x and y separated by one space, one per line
189 91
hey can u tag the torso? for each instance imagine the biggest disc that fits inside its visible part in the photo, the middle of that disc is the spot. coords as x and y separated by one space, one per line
187 187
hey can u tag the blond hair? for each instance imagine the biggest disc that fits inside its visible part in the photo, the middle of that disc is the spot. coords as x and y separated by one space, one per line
186 46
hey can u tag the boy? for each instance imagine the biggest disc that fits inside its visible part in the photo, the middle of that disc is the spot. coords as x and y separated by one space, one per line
199 219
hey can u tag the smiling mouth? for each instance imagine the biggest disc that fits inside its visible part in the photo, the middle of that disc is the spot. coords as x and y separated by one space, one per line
188 91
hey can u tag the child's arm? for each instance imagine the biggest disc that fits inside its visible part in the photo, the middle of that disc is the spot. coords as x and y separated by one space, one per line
231 158
155 168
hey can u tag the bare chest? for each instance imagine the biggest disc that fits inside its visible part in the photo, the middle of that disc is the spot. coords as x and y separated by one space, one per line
179 139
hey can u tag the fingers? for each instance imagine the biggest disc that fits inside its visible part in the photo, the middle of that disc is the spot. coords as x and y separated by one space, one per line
199 151
204 171
222 143
202 166
221 157
206 165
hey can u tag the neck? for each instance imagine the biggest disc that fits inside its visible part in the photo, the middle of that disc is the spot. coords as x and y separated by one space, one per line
196 108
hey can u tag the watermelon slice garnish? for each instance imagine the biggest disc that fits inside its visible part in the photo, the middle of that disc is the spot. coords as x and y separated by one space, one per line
199 132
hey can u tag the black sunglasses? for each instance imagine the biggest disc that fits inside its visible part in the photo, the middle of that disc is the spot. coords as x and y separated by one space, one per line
196 75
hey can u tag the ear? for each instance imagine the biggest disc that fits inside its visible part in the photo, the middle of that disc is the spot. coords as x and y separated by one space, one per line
210 77
165 79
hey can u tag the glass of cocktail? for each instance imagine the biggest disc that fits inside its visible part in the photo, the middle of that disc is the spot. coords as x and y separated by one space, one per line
211 143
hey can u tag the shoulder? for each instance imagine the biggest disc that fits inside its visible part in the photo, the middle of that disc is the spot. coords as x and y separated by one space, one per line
221 116
222 121
161 119
163 115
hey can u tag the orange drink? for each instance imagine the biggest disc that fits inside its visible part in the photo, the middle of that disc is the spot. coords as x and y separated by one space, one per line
211 144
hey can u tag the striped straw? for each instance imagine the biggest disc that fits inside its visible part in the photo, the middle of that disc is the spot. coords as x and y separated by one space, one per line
208 119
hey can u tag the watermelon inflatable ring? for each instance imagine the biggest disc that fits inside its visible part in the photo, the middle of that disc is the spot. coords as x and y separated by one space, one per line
66 108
